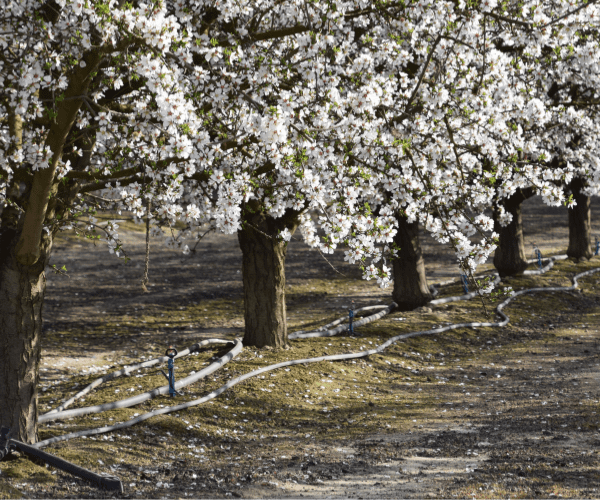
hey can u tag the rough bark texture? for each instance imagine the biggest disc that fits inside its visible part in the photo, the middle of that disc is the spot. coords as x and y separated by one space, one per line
410 280
580 225
21 299
510 258
263 269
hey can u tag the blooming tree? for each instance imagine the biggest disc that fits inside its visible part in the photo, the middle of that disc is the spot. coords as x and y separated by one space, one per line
482 120
265 85
560 80
84 88
375 115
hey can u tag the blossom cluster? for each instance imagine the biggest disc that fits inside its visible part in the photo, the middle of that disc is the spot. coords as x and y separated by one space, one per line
350 113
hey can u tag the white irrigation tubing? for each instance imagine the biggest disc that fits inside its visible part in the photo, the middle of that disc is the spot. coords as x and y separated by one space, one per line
335 357
497 280
61 413
323 332
547 267
456 298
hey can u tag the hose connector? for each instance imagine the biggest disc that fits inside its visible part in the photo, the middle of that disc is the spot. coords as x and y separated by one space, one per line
171 352
538 255
351 318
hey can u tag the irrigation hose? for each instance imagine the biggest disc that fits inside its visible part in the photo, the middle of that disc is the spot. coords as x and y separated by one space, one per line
124 372
335 357
106 481
61 413
323 332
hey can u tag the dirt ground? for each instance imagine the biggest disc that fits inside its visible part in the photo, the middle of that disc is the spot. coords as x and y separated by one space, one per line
477 413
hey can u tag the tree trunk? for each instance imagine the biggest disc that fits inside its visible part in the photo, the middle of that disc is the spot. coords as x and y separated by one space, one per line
509 258
580 226
410 281
21 299
263 270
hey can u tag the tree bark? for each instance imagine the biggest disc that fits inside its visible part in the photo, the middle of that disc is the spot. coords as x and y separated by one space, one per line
580 225
410 281
509 258
263 270
21 298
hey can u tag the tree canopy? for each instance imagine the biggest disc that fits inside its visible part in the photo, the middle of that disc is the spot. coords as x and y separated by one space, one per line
202 111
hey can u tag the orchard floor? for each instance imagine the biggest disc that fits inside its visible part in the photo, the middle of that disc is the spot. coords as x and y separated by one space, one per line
485 413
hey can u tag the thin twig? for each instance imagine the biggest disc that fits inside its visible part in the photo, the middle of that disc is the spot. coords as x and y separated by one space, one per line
332 266
147 259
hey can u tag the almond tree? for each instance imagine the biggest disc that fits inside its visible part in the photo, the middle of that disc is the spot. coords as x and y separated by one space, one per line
491 128
266 89
560 78
82 94
580 223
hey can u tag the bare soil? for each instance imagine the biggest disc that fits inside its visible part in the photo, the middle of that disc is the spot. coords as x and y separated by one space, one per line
488 413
